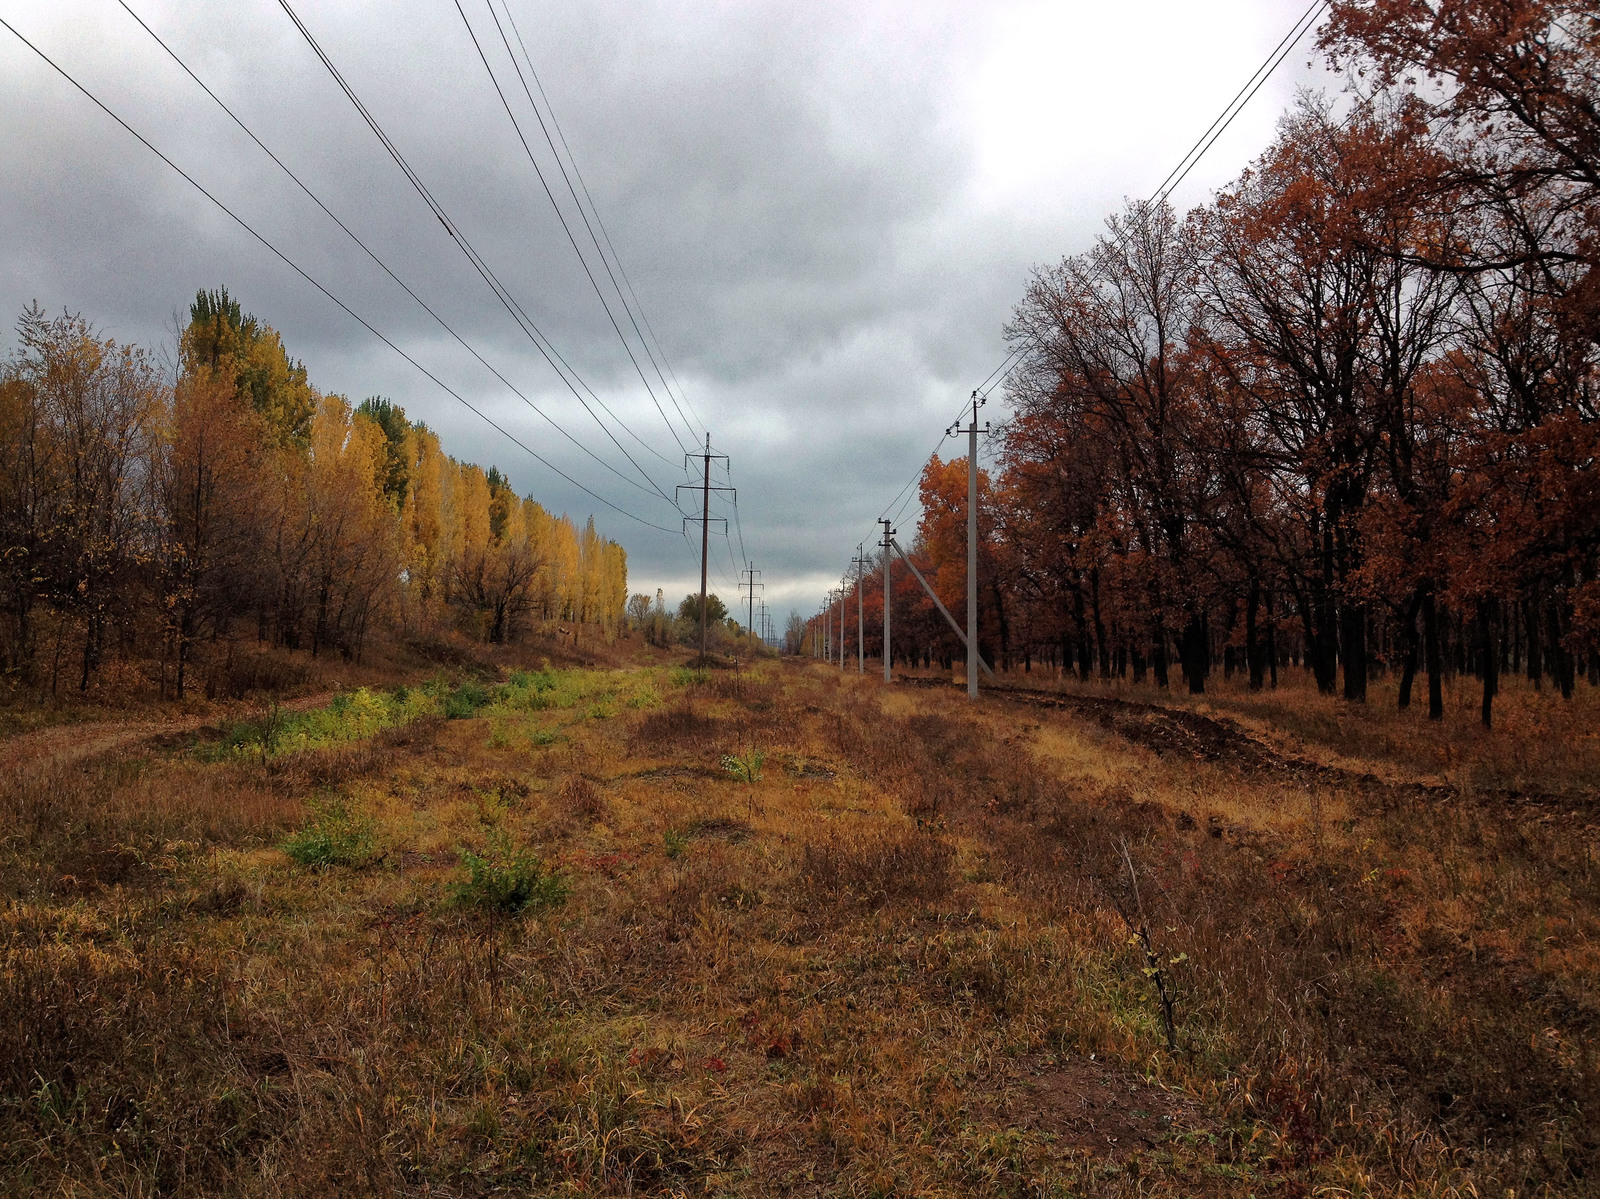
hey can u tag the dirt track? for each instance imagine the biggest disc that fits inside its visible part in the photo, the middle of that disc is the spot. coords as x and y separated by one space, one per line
65 743
1165 730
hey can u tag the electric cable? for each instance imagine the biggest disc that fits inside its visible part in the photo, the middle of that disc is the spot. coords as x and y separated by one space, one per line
315 199
1306 22
567 179
1269 65
561 216
507 300
1178 174
292 265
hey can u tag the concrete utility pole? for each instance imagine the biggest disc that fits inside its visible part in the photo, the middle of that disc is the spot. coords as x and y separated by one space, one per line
888 656
843 591
861 620
705 530
972 431
705 541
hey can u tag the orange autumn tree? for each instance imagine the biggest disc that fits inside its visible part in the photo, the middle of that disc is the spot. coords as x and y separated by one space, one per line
1344 418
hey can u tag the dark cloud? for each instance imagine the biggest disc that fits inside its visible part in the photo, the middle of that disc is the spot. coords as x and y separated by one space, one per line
827 209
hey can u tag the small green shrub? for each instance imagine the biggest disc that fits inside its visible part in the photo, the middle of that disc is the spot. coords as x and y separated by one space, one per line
507 879
336 836
677 843
465 700
688 676
747 767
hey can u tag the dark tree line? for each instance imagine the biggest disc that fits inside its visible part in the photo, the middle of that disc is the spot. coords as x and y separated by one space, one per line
1344 416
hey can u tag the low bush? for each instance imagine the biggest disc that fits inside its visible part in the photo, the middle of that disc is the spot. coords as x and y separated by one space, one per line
581 797
507 879
745 767
464 702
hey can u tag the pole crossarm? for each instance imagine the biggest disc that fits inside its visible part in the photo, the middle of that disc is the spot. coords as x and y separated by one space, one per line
943 611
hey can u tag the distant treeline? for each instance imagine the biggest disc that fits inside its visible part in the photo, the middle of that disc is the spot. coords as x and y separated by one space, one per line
147 508
1346 415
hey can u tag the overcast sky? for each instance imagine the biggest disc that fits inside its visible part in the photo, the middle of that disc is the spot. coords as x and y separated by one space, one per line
827 211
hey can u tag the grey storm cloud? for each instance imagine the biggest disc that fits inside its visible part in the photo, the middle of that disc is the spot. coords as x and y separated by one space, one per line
827 211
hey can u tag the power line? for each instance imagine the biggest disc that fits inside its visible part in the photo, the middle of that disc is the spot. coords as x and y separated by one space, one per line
292 265
1176 176
912 482
507 300
315 199
1240 99
561 216
737 523
643 341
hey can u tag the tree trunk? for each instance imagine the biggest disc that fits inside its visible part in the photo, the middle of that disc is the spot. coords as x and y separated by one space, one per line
91 629
1530 623
1252 640
1490 658
1408 628
1561 663
1272 639
1099 627
1353 649
1430 634
1193 652
1083 636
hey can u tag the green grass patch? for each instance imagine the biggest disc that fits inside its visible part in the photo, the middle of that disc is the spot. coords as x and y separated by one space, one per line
336 836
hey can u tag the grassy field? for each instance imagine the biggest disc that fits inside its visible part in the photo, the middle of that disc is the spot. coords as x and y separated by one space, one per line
784 931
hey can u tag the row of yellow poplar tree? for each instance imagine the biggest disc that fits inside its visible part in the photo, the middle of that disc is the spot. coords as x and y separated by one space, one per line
150 512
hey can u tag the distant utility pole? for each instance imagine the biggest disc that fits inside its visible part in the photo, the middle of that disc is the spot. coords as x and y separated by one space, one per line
887 543
972 432
844 593
748 584
861 620
705 529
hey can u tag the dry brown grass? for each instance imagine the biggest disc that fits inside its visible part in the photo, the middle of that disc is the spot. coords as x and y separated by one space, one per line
881 969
